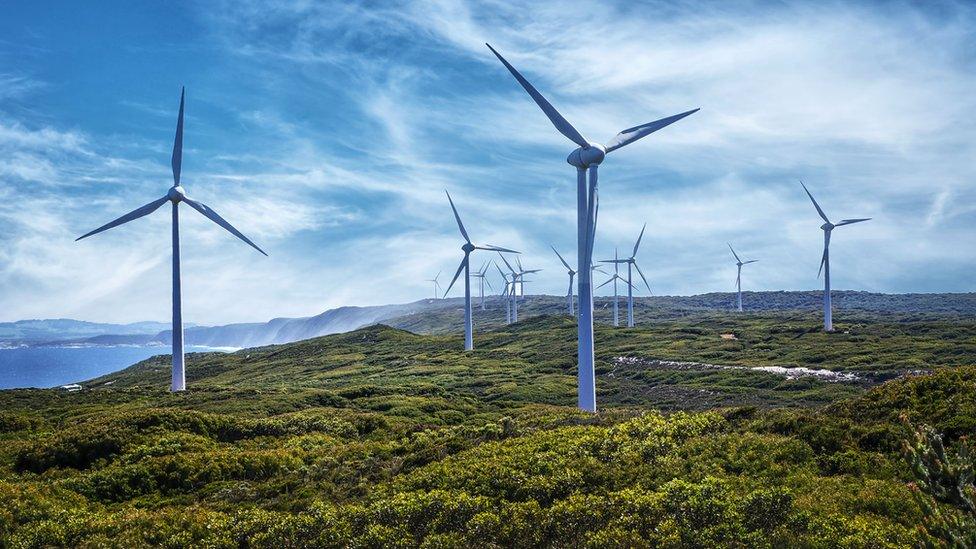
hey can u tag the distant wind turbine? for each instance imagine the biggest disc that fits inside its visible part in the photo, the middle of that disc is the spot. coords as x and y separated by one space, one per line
506 295
176 195
522 272
825 260
571 273
738 277
587 157
513 289
467 248
481 275
437 286
632 264
614 278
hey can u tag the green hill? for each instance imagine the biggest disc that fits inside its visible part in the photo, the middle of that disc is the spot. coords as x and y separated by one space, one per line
385 438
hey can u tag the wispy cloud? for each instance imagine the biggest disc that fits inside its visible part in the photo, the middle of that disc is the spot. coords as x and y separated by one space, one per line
329 130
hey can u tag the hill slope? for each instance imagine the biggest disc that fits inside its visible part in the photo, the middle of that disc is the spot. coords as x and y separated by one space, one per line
386 438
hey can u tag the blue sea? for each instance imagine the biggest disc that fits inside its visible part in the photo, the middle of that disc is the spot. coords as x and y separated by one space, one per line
55 366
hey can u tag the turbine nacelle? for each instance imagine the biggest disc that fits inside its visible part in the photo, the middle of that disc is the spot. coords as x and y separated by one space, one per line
468 247
828 226
176 194
584 157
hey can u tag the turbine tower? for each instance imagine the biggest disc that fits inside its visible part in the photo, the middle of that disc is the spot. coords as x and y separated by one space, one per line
586 158
631 265
738 277
571 273
467 248
175 195
825 260
481 275
437 285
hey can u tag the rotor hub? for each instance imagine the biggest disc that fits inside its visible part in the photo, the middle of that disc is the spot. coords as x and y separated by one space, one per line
176 194
585 157
468 247
827 226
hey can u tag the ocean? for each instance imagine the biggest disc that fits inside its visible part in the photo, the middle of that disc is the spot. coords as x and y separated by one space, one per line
55 366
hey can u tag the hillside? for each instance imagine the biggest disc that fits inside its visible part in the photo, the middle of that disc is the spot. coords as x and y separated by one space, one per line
444 316
385 438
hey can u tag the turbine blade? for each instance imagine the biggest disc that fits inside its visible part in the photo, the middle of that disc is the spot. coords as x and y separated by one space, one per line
823 259
488 282
849 221
456 275
570 290
815 205
134 214
561 258
507 264
212 216
604 284
458 218
630 135
561 124
614 261
637 245
642 277
530 271
519 263
177 160
734 254
492 248
750 261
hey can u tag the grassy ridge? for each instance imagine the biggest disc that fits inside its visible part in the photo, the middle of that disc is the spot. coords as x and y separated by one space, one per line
385 438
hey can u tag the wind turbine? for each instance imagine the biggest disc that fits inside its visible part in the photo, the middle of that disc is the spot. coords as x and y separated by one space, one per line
586 158
437 285
175 195
571 273
738 277
513 290
825 260
505 293
522 280
481 275
467 248
631 264
614 279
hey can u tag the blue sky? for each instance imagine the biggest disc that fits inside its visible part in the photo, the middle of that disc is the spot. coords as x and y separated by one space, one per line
327 132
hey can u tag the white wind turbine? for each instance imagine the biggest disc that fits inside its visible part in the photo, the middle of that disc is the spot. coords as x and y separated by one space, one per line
437 286
467 248
481 275
614 278
571 273
738 277
586 158
176 195
513 290
505 294
825 260
522 280
631 264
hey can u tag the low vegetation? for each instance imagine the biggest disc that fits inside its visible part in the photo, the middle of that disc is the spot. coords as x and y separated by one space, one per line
386 438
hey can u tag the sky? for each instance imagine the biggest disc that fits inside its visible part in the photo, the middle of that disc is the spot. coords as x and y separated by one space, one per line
328 132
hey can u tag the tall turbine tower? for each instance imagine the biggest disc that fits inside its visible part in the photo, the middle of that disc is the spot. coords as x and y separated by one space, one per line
825 260
467 248
572 273
586 158
631 265
738 277
176 195
437 286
